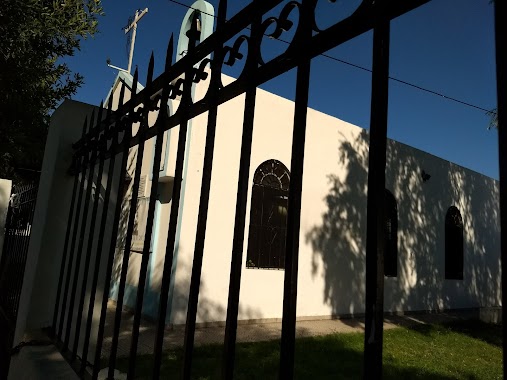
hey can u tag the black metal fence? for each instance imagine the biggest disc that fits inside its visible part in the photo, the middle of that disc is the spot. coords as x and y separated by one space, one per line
110 139
18 227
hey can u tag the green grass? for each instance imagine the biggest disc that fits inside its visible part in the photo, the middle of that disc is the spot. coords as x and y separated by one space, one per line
461 350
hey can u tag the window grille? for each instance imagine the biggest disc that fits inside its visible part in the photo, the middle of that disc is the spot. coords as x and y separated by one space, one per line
268 216
453 244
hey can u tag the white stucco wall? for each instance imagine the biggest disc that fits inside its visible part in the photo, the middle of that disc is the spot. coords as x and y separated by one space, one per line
333 220
5 195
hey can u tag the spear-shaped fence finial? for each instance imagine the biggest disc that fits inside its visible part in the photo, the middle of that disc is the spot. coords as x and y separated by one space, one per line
169 53
222 13
151 65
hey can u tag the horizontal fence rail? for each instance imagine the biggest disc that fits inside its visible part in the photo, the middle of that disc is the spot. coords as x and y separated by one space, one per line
361 21
110 221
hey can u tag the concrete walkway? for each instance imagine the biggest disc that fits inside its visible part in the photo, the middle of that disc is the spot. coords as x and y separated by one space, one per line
255 332
46 362
40 363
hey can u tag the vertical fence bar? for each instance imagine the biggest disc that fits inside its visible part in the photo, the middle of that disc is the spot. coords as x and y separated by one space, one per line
82 168
16 249
81 185
170 245
113 133
214 87
87 258
372 364
231 323
178 178
16 253
501 88
67 236
149 221
195 279
109 133
10 257
89 185
18 244
186 100
126 252
127 134
303 36
171 235
101 147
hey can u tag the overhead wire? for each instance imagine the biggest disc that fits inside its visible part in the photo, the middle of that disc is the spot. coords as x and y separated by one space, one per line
489 112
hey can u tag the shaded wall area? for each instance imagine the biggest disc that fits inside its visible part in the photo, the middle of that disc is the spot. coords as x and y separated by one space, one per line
338 241
333 224
50 224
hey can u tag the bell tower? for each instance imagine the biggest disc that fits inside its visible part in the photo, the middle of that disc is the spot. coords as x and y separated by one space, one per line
206 15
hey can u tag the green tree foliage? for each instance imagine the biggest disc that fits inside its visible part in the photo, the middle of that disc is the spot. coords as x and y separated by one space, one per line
493 122
493 114
35 36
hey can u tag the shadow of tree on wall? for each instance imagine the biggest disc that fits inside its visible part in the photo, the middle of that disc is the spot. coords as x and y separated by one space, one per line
420 238
338 241
482 245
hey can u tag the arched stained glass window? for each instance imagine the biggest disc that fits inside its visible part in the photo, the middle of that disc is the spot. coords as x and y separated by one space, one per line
453 244
268 216
391 235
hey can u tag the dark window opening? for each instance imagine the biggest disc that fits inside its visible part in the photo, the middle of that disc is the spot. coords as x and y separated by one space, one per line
390 235
453 244
268 216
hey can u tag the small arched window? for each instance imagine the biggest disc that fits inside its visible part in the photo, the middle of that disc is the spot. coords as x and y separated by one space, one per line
453 244
268 216
390 235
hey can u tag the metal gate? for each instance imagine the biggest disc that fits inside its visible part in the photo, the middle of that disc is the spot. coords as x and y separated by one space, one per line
12 265
110 138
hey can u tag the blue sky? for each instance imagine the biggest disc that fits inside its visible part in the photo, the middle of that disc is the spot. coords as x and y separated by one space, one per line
446 46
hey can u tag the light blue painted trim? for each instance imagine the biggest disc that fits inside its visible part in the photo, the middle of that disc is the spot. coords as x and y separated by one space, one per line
164 164
147 304
207 21
155 237
148 298
127 79
153 158
180 216
168 139
180 219
130 296
153 243
129 300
